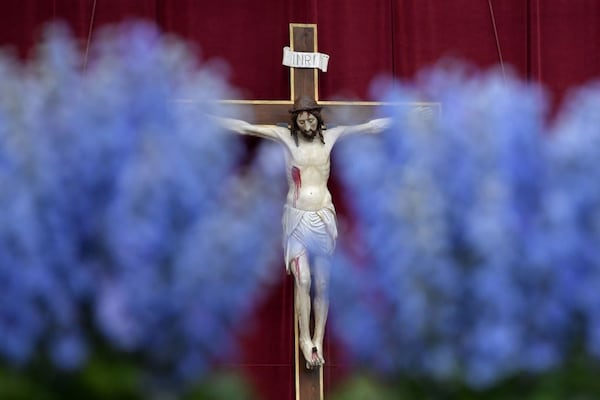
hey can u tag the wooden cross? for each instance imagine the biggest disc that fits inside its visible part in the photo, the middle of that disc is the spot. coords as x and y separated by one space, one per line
304 82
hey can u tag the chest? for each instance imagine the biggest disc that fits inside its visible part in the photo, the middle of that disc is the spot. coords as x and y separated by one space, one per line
309 154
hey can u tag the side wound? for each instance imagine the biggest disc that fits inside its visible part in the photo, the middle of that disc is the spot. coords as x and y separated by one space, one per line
297 178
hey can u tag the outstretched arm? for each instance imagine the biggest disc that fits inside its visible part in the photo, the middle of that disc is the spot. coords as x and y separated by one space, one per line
245 128
372 127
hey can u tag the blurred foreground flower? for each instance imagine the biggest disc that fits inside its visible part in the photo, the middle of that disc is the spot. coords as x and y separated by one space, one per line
119 216
474 252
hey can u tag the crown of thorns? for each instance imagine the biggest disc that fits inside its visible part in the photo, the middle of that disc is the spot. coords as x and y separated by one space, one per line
305 103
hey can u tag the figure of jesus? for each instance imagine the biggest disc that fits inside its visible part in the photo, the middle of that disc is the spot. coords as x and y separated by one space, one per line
309 219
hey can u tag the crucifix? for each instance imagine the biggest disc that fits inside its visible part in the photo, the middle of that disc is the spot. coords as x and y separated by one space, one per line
309 220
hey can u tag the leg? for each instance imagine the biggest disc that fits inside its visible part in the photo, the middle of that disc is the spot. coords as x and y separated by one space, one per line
302 280
321 303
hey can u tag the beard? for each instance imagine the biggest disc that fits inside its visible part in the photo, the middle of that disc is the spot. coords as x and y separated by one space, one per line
309 136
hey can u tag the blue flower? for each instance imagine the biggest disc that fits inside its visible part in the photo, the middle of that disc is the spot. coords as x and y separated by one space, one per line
469 256
126 202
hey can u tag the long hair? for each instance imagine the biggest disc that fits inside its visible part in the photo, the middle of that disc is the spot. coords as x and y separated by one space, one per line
295 129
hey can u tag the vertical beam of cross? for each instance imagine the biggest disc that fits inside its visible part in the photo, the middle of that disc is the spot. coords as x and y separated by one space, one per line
304 82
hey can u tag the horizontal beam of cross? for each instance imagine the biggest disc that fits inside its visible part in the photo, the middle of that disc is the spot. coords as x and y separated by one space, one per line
269 112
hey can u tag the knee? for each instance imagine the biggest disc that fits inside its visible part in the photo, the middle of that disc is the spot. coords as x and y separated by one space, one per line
303 280
321 285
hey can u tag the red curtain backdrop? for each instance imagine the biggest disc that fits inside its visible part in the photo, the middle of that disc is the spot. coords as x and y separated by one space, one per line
553 42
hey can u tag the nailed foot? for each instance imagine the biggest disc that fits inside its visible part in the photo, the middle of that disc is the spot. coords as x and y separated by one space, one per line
311 354
319 353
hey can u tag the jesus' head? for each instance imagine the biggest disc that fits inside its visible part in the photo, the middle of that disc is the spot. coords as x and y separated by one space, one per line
306 122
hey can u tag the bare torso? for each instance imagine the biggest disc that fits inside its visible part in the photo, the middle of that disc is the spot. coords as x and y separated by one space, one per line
308 167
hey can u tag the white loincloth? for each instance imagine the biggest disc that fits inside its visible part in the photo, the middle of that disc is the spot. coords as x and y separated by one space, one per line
312 231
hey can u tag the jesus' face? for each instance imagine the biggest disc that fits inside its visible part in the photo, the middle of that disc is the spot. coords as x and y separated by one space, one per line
308 124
